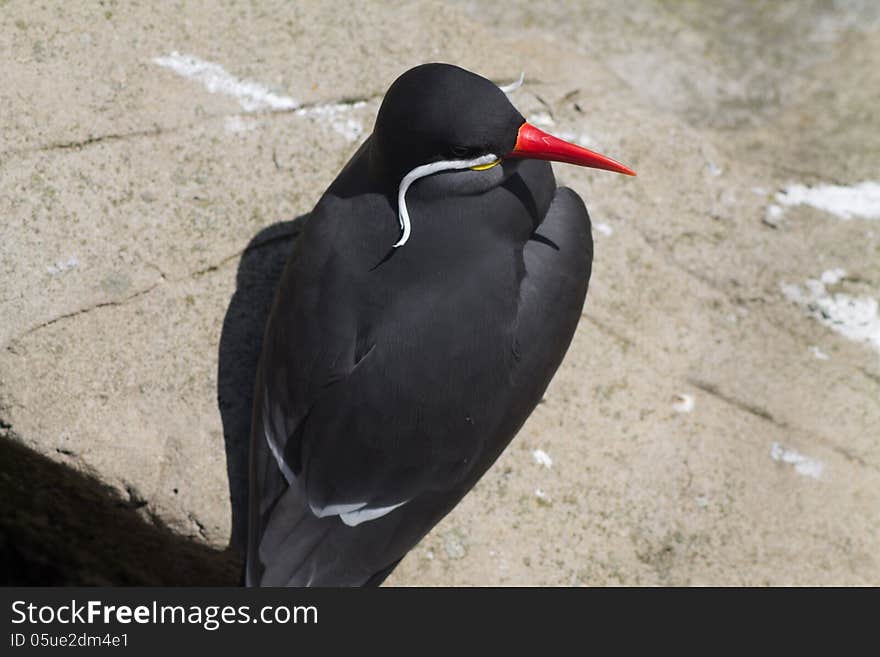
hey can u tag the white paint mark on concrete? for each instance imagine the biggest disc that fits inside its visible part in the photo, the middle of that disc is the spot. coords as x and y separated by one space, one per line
251 95
833 276
803 465
542 458
603 229
861 200
62 266
684 403
818 353
351 129
335 115
854 317
773 216
237 124
254 96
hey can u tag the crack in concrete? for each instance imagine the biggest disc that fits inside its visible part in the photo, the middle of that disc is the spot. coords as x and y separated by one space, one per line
753 409
238 254
162 279
605 328
76 145
83 311
747 407
870 375
212 268
763 414
6 430
199 526
155 131
135 499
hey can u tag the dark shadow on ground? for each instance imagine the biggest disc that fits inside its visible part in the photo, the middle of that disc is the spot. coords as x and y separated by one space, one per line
59 527
259 271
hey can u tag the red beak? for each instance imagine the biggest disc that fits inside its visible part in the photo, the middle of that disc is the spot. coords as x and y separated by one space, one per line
538 145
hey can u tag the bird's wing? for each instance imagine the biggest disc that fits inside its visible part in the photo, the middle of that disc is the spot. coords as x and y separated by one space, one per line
322 472
310 344
557 260
310 396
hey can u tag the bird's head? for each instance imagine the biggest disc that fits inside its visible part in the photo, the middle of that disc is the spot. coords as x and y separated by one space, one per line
439 117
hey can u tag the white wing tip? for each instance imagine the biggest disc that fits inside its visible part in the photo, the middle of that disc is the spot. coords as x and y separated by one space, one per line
336 509
354 518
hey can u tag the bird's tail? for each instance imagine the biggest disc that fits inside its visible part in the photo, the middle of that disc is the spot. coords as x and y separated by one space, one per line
297 548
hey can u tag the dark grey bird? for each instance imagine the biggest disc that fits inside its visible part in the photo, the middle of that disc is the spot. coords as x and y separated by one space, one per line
425 307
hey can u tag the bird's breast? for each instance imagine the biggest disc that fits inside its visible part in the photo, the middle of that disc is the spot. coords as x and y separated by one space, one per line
443 308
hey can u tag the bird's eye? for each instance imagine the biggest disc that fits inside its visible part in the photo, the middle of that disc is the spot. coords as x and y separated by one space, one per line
460 151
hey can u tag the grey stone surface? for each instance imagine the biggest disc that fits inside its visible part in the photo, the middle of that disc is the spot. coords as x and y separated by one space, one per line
696 434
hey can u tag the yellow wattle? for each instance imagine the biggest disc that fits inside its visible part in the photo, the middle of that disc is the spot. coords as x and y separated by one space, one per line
483 167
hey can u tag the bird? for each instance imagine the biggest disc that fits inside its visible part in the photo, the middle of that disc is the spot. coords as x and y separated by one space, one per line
423 310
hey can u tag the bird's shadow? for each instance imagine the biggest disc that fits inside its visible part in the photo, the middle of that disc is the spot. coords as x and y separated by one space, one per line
241 341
